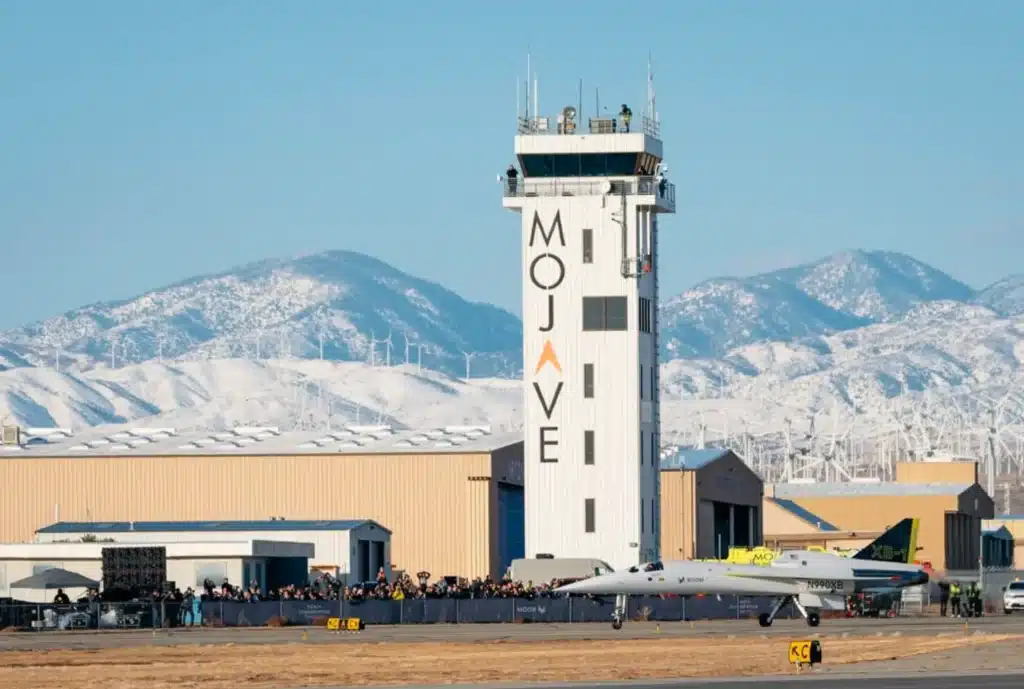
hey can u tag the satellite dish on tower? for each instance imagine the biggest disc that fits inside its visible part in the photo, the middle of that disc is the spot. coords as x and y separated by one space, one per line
606 187
569 112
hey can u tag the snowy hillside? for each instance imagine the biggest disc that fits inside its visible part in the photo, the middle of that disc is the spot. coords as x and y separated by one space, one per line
877 285
845 336
941 350
216 394
280 309
1005 297
840 292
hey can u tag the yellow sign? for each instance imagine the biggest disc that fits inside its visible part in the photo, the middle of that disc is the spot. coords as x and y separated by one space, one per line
333 624
352 624
805 652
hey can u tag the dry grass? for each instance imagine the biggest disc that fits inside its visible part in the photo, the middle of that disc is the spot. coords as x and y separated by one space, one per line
311 665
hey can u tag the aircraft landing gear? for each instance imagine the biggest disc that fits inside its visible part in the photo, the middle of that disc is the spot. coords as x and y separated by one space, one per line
812 616
619 614
765 619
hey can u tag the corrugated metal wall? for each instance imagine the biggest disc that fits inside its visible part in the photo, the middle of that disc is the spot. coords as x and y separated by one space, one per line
440 518
880 512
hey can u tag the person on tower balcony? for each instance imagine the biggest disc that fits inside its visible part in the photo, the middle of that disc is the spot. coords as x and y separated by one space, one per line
512 176
626 114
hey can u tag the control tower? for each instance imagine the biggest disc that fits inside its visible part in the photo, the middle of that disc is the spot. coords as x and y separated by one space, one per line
590 194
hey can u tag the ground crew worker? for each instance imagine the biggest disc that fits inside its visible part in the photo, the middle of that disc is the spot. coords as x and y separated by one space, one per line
943 597
976 599
954 598
512 176
626 114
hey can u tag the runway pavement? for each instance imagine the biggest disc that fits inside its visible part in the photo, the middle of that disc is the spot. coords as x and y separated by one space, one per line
909 626
931 681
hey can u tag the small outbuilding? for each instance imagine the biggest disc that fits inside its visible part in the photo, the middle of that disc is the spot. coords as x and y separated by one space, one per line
189 564
710 501
352 550
998 546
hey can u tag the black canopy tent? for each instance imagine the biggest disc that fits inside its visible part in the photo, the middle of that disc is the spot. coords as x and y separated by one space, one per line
55 578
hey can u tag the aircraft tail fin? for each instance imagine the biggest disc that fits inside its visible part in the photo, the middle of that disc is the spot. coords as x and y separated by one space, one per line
898 544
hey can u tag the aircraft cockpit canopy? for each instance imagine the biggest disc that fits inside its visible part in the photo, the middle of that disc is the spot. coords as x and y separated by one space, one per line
653 567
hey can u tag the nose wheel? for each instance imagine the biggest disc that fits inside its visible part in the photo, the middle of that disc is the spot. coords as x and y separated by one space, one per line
620 611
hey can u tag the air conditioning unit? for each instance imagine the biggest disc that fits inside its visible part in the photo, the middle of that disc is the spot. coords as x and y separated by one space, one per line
12 435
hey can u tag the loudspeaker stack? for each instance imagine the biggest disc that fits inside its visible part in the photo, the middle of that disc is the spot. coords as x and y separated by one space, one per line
134 568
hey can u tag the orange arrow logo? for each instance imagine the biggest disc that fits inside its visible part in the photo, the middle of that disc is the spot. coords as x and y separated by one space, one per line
548 356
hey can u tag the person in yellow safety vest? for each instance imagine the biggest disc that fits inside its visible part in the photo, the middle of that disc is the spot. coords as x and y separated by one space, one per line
626 114
975 598
954 599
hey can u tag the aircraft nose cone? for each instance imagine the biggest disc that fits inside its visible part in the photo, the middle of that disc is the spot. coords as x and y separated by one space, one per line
923 578
597 585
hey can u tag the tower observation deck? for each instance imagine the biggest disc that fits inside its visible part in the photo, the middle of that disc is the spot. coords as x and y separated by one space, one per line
590 198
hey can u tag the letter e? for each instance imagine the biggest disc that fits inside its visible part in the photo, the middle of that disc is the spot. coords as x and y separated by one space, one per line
546 442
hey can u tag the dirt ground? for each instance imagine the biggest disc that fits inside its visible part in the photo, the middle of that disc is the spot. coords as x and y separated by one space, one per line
322 665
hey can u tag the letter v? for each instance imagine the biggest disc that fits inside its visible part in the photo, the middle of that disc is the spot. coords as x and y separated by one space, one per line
548 408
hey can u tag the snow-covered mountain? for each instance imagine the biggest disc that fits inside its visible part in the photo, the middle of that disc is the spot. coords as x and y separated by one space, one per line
281 309
877 285
841 292
1005 297
846 335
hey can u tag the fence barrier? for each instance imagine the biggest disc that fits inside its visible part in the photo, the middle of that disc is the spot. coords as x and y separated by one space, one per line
84 616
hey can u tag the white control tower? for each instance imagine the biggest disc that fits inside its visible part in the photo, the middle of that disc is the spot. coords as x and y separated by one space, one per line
589 193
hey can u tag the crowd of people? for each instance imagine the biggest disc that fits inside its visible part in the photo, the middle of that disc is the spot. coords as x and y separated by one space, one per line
401 587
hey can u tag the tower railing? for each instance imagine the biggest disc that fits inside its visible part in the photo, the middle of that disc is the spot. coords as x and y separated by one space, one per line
530 126
643 186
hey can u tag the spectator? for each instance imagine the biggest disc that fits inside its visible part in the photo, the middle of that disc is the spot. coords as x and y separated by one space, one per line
403 587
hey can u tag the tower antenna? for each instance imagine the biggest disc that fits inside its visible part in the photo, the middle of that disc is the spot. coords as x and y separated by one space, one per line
579 99
529 80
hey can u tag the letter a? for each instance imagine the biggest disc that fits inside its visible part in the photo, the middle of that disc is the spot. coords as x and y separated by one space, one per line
548 356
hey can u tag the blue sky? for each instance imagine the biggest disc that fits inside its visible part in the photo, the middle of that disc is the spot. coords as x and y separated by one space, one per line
144 143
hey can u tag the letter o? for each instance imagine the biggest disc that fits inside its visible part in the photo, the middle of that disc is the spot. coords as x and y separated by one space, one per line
555 283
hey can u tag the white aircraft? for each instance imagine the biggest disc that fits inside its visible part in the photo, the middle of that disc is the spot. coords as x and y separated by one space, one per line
811 580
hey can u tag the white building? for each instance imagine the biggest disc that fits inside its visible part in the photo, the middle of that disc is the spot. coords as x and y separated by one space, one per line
188 563
589 202
352 549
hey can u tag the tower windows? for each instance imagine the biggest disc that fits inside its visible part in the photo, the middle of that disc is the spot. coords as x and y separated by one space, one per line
588 447
645 315
588 381
589 516
588 246
604 313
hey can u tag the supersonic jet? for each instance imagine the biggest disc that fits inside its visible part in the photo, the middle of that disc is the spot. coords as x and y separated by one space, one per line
811 580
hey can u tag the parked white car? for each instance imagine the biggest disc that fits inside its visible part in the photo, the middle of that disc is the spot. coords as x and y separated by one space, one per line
1013 597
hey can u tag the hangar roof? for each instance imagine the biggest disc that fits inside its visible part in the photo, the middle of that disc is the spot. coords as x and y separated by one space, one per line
687 459
834 490
259 440
259 525
1000 532
804 514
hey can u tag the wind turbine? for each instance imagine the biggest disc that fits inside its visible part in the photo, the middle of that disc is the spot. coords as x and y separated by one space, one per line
469 357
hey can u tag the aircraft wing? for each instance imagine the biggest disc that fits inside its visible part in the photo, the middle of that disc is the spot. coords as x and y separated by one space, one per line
768 574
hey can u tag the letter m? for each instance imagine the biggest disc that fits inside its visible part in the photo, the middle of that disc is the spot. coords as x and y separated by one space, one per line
556 224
